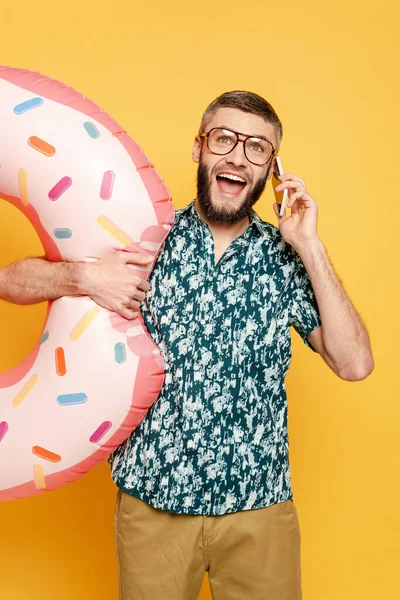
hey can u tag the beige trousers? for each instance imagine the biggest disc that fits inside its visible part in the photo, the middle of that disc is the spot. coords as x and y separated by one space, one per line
249 555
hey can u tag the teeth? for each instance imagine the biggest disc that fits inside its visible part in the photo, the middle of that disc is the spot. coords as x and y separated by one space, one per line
232 177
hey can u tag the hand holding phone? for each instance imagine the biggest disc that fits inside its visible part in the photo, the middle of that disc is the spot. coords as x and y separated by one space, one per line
280 197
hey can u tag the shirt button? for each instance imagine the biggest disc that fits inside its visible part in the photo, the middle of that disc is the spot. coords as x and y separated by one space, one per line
184 458
202 322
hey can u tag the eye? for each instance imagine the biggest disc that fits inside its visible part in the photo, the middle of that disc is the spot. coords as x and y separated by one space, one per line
256 147
224 139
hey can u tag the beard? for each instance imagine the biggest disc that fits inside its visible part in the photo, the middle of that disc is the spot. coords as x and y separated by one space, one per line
222 215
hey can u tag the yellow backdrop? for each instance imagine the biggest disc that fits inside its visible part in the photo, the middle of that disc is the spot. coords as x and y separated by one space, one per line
330 70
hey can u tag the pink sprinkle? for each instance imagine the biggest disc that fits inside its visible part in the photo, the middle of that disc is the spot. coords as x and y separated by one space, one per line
100 432
107 185
3 429
60 188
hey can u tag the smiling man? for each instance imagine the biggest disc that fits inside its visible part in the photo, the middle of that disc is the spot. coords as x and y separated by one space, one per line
204 482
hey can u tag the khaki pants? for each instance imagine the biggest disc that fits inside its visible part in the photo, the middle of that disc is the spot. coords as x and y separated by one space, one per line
249 555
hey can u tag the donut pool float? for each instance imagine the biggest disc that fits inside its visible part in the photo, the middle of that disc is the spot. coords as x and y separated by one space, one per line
87 188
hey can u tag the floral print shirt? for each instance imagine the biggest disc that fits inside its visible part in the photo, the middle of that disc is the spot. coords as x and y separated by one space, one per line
216 439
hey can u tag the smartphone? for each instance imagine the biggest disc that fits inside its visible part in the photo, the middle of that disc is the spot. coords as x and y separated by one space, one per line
280 197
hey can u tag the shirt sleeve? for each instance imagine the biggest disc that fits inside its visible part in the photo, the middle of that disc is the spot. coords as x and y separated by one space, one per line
304 313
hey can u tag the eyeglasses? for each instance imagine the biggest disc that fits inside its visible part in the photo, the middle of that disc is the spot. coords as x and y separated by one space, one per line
258 151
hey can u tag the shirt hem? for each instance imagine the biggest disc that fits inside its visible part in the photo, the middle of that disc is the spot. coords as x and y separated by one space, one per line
186 511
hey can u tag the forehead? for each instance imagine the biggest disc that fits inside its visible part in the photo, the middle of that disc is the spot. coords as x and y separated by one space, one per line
243 122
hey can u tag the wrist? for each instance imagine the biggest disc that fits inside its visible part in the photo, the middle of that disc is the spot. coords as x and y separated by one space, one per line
80 279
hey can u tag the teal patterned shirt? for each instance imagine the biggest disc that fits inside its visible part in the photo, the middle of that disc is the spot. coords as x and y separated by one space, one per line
216 439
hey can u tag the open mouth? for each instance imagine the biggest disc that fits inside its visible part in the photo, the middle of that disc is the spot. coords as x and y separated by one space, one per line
230 184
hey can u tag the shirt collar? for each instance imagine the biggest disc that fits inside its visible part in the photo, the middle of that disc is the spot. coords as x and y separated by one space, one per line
256 223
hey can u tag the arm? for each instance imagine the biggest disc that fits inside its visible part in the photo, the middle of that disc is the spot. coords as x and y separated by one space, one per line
109 281
342 339
33 280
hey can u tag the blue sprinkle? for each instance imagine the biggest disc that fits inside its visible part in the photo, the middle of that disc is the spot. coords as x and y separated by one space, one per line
91 129
62 234
120 353
70 399
44 337
28 105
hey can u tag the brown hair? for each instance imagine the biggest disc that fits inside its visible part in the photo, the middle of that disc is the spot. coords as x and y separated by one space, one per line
247 102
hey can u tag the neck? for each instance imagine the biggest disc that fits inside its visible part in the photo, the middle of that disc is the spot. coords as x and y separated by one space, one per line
223 233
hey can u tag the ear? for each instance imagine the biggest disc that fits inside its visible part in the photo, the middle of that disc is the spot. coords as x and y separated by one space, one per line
271 168
196 149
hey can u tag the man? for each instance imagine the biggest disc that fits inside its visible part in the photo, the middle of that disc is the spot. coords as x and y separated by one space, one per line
204 481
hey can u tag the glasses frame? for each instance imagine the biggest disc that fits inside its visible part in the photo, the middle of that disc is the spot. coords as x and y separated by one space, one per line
245 136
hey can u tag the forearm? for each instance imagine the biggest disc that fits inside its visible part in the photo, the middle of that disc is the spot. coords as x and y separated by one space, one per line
33 280
344 336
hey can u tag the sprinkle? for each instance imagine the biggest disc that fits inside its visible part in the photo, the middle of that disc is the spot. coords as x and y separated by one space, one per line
3 429
84 323
70 399
23 186
41 146
107 185
38 476
61 368
25 391
46 454
44 337
62 234
60 188
22 108
91 129
114 230
100 432
120 353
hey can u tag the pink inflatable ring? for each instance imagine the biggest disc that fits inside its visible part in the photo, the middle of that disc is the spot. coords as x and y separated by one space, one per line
87 188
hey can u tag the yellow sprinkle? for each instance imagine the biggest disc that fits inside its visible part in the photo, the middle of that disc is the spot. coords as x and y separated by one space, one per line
23 186
38 476
25 391
84 323
114 230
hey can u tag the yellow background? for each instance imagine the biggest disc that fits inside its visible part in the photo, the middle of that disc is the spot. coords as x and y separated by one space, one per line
331 72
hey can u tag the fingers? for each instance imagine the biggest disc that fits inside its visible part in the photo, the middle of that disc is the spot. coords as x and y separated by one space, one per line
290 185
294 197
291 177
143 285
133 304
134 258
304 197
128 313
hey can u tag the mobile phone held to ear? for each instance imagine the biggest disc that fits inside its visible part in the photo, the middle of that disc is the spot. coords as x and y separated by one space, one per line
280 197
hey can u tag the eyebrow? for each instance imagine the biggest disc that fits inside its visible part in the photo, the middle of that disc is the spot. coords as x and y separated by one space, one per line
259 137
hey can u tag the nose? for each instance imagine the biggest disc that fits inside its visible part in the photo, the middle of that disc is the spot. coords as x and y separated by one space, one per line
237 157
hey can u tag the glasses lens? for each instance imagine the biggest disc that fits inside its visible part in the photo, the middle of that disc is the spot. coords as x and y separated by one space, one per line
221 141
258 151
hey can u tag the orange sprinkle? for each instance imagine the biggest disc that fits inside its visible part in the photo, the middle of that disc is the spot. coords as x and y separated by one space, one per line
41 146
60 362
46 454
